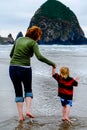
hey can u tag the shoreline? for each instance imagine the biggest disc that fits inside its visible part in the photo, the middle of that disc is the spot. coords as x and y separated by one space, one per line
44 123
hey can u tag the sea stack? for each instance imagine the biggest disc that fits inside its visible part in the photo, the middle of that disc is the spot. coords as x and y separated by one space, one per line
58 23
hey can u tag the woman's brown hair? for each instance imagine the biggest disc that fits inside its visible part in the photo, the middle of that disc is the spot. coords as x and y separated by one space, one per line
34 32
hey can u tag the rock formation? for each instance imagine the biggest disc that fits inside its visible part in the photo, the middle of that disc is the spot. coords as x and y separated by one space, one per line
58 23
7 40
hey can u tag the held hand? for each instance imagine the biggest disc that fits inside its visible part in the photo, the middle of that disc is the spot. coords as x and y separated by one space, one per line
54 69
55 66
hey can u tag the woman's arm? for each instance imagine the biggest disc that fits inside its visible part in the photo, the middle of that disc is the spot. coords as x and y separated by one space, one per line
12 51
41 57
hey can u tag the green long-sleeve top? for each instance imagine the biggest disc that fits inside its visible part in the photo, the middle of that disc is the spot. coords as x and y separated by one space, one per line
22 51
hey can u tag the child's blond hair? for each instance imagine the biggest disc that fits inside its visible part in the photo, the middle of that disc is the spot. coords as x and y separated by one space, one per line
64 72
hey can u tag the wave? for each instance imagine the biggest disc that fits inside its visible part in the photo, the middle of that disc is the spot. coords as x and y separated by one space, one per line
63 48
72 50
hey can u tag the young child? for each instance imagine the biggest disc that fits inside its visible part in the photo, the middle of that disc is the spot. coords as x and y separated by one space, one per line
65 90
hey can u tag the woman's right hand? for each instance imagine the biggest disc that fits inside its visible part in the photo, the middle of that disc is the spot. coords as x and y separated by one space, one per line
55 66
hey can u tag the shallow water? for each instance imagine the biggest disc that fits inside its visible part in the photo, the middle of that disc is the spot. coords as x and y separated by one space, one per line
46 105
44 123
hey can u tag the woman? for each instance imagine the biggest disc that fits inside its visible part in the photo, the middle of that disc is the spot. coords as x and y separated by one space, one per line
20 70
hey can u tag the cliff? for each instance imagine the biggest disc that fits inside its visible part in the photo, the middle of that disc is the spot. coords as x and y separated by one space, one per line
58 23
6 40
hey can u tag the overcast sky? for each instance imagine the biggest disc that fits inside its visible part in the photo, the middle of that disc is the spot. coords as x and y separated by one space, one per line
15 15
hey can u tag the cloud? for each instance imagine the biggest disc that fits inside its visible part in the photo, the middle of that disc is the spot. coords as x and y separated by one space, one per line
15 15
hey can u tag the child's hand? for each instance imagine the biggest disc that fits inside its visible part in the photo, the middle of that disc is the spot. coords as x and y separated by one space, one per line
77 78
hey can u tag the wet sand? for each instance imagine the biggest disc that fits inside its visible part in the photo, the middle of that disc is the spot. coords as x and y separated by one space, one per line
45 105
44 123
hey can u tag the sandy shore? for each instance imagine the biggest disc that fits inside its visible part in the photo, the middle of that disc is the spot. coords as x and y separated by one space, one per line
44 123
9 115
45 105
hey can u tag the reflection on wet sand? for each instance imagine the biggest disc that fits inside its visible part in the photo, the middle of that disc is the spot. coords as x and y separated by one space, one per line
44 123
64 126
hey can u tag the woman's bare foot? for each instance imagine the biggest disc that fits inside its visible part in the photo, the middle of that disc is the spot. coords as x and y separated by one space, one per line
21 118
30 115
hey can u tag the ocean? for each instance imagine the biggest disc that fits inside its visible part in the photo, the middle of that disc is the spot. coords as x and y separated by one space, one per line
46 103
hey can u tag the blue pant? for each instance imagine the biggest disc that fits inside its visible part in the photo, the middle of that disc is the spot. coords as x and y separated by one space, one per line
21 76
65 102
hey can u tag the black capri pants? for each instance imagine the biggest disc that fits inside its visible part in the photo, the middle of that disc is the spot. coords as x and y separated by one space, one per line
22 80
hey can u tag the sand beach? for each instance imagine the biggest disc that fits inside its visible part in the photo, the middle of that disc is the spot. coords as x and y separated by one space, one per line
45 105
